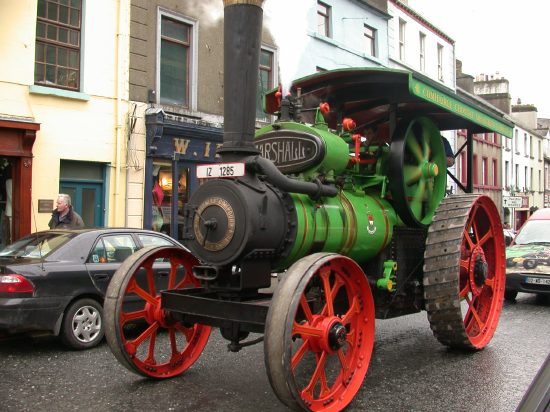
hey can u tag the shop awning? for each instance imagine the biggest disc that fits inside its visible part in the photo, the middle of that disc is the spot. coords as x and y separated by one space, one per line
369 94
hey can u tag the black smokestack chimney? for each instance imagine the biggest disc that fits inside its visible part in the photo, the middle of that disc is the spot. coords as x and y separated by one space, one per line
242 40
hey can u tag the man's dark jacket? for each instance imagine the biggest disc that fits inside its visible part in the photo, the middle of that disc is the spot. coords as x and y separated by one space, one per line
71 220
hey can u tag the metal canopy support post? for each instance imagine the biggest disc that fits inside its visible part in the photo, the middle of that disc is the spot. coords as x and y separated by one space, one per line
470 162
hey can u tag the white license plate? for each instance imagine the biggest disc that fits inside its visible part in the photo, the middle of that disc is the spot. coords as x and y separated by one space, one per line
538 281
220 170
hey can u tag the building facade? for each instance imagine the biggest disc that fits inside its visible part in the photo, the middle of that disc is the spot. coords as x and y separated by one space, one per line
176 105
63 109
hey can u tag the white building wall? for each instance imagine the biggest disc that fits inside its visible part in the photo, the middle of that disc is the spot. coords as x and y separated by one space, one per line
345 48
89 125
413 27
522 160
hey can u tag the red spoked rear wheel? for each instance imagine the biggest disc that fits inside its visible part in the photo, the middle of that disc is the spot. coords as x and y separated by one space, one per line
145 338
464 272
319 333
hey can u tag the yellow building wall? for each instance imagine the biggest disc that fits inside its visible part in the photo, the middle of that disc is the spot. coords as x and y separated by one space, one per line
87 126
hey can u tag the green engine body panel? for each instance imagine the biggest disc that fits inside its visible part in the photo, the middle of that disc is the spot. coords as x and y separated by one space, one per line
356 225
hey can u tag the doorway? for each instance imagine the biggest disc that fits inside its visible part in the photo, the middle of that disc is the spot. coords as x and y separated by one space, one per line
87 201
6 201
84 182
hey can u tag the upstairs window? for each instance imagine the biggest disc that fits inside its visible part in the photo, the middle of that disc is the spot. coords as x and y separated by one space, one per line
175 61
402 27
57 55
323 19
440 62
422 48
484 172
370 40
265 80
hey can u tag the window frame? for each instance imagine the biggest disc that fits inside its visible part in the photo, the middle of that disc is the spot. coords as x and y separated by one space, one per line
59 45
370 40
402 39
193 56
422 51
440 62
272 76
326 16
484 171
506 174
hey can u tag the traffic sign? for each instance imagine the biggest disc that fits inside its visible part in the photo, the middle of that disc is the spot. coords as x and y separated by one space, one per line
512 201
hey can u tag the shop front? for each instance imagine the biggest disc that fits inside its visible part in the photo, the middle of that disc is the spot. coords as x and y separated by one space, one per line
16 142
173 149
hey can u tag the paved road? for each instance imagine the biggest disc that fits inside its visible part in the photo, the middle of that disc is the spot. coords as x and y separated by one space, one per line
410 371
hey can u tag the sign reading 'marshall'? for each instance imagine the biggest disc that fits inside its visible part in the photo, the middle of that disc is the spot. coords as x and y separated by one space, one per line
290 151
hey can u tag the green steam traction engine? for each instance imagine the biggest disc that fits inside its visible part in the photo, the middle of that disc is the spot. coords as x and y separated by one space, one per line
340 207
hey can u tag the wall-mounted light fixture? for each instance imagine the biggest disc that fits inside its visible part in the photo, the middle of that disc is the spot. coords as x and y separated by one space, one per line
165 179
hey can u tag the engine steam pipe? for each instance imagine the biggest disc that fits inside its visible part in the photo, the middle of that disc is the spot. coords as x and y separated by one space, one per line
242 42
278 179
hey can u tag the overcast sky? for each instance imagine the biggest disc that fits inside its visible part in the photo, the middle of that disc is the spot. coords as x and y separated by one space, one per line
506 36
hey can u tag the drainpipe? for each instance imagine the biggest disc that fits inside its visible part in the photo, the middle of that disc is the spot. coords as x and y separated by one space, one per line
118 105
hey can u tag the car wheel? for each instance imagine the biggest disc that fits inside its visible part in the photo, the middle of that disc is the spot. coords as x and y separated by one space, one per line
529 263
83 324
510 295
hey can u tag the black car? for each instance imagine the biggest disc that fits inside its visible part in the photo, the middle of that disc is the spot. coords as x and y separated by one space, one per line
54 282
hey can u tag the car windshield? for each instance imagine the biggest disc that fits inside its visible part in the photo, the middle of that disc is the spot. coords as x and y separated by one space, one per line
534 232
36 246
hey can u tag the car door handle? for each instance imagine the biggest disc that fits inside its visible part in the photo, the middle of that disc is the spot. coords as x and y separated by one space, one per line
163 273
101 276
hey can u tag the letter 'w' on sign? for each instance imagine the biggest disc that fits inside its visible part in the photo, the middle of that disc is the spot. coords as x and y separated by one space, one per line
181 145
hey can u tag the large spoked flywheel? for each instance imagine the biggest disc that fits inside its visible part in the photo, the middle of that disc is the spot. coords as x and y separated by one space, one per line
319 333
141 335
417 171
464 271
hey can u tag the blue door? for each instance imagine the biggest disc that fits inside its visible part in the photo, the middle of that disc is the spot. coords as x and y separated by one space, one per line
87 199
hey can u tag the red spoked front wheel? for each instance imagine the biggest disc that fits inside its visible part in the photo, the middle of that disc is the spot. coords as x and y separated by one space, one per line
319 333
464 272
142 336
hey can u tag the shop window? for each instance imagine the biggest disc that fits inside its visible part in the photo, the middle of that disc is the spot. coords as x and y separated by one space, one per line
163 197
57 52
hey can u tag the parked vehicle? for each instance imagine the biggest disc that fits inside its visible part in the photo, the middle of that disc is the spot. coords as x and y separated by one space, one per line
509 235
528 257
54 281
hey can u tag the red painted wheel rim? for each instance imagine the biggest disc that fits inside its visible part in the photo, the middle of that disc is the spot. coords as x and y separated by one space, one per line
332 346
165 347
482 272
